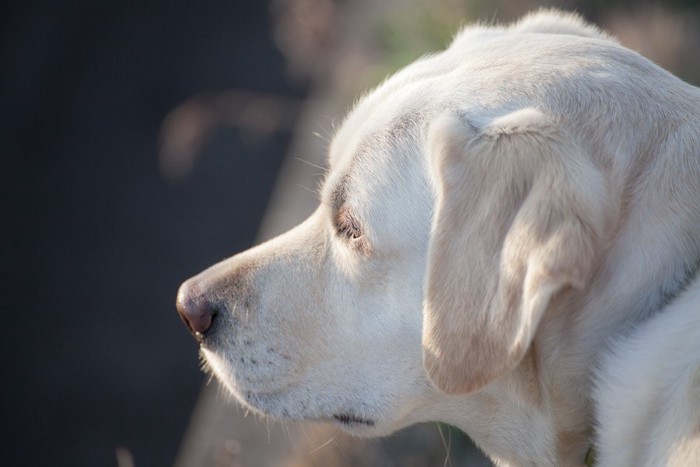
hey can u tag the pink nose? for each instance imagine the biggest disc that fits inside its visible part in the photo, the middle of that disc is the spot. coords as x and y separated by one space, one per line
195 310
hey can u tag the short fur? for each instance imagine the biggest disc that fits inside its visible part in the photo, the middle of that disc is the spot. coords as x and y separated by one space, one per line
507 242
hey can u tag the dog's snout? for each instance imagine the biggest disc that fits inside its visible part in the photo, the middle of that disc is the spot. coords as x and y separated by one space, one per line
195 310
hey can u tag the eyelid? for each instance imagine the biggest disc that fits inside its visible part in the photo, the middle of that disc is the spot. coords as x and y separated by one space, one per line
347 225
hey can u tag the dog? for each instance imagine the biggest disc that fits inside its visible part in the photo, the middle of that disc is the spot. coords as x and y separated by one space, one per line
508 241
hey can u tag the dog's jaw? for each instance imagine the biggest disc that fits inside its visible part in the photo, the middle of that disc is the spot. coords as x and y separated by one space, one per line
355 411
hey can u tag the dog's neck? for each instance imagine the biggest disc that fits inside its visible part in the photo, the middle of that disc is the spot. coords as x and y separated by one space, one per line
655 246
679 283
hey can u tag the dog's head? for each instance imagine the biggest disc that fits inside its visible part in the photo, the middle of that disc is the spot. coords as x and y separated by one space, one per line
457 206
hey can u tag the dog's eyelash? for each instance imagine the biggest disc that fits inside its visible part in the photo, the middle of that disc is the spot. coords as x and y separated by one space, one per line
348 226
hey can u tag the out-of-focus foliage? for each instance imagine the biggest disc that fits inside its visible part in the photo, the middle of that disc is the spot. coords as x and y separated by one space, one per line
321 40
409 33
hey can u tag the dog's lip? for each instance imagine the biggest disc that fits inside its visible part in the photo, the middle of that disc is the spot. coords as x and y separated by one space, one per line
348 419
259 400
345 418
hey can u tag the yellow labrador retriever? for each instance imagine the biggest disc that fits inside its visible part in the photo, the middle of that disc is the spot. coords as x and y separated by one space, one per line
508 241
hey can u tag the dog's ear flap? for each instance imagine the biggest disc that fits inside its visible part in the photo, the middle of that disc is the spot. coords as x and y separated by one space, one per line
519 212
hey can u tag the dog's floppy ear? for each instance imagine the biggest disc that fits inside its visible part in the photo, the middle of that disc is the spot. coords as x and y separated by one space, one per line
519 214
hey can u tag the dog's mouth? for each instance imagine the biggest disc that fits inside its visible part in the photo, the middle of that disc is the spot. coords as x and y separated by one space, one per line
348 419
260 402
287 402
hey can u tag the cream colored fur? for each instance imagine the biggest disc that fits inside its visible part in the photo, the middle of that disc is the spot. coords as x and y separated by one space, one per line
648 391
502 226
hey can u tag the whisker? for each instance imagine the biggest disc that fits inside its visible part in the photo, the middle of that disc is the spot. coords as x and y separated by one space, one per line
302 427
331 440
311 164
307 438
315 193
325 139
287 433
446 444
340 449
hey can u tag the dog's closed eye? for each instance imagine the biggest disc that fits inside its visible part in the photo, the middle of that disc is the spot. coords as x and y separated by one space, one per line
347 226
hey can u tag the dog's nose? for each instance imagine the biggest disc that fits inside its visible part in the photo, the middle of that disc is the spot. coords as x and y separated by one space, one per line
195 310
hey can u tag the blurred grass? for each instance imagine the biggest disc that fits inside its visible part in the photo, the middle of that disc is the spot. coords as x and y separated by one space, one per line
401 35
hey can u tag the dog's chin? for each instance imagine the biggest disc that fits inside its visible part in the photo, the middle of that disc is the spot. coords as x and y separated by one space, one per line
297 403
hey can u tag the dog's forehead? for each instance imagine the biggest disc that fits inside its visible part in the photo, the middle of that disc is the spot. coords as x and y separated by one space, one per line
377 156
378 141
394 106
371 130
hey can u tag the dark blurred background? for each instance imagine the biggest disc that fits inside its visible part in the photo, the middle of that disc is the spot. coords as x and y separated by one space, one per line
98 233
140 143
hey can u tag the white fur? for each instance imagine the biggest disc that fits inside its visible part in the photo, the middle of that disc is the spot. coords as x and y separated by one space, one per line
525 198
648 391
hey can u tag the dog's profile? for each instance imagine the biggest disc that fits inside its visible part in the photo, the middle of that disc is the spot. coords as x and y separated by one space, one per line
508 241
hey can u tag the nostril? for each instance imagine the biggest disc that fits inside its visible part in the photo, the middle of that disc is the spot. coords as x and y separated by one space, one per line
195 311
